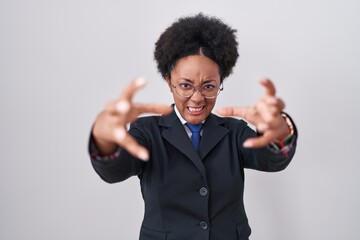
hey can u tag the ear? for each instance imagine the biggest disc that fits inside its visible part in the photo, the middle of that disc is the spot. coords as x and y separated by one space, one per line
168 81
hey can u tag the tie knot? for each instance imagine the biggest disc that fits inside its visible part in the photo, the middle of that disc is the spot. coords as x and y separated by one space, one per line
195 128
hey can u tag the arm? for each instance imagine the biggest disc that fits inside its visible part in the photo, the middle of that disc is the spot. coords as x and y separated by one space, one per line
119 165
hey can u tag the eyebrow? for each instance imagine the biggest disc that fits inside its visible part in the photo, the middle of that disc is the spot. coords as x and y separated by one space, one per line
188 80
209 80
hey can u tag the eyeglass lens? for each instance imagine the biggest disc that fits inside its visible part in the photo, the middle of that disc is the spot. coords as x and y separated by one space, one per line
208 90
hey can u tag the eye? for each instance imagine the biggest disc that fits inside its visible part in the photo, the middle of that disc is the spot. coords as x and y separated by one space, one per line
186 85
208 86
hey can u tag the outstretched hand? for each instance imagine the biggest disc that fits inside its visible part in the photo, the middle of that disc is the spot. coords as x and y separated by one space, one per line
110 131
265 115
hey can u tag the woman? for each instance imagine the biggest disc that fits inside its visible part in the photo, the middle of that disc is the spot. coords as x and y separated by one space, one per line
191 162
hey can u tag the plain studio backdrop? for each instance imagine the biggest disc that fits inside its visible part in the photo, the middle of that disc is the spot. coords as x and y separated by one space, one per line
61 61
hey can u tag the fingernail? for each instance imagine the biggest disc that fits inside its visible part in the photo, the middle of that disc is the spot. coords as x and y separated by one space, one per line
247 144
262 127
119 133
273 100
122 106
140 81
143 155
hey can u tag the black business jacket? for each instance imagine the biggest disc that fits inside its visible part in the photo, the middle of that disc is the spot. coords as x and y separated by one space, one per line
190 195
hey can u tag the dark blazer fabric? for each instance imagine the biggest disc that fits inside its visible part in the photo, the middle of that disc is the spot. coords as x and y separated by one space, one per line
192 195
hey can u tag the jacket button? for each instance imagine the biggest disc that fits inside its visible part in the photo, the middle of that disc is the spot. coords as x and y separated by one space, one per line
204 225
203 191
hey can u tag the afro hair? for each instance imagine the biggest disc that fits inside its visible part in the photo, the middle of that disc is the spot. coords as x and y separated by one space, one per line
199 34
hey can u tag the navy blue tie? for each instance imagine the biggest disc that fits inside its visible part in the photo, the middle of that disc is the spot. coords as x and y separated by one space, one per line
195 136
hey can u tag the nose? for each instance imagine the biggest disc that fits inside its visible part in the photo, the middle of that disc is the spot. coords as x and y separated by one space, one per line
197 96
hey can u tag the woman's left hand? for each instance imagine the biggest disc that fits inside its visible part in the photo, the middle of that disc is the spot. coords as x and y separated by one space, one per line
265 115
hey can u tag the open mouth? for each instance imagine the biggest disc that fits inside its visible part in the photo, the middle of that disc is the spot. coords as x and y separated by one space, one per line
195 110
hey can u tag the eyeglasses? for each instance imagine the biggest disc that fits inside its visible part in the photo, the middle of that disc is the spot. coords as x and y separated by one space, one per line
207 90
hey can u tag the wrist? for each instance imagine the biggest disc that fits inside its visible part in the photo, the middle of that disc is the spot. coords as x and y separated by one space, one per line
288 129
104 147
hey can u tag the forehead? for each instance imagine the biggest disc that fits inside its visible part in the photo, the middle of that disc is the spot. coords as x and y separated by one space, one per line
196 68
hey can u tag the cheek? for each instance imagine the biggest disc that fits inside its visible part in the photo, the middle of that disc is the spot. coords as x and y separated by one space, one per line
179 101
210 105
211 102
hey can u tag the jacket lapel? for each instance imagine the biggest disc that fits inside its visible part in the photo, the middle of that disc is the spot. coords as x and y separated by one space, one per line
213 132
176 135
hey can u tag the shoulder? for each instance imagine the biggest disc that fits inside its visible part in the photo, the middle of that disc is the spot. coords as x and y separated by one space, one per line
145 128
145 122
235 126
230 122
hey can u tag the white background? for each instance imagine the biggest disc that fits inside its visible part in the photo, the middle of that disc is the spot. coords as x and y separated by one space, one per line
61 61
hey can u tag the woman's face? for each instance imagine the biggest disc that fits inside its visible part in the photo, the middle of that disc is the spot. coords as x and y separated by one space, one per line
194 70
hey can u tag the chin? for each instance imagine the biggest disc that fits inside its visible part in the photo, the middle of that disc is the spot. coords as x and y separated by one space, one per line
196 119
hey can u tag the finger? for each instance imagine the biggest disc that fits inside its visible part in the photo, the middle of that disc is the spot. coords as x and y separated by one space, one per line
250 115
153 108
269 86
258 142
280 104
123 103
129 144
122 106
118 106
233 111
277 102
266 111
262 127
129 91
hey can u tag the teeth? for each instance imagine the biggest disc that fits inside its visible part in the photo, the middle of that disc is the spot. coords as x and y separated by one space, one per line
192 109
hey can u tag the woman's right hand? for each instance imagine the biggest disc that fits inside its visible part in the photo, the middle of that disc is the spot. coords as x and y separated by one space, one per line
110 131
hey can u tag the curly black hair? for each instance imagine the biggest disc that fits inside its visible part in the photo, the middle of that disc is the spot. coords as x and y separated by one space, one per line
199 34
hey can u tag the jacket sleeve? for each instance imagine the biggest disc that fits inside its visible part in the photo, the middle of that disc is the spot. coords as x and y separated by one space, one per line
122 165
264 159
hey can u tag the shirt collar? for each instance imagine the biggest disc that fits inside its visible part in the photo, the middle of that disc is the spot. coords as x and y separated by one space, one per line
183 121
